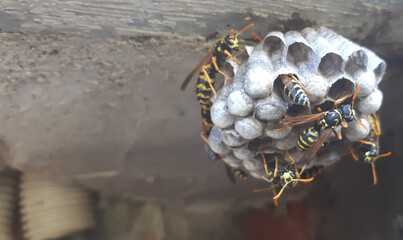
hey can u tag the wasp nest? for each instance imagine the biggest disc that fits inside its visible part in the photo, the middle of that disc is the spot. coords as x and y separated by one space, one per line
246 111
50 210
7 206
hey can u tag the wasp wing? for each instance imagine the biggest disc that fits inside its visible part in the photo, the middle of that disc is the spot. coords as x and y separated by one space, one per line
201 63
294 121
310 154
230 173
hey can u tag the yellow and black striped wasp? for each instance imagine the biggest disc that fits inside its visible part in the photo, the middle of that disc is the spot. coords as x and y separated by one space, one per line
313 137
205 82
216 58
368 150
293 89
282 179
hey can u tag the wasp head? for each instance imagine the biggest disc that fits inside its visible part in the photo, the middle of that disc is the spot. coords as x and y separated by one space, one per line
348 113
288 176
232 42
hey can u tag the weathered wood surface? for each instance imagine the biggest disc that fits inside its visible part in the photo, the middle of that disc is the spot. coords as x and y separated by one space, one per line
372 22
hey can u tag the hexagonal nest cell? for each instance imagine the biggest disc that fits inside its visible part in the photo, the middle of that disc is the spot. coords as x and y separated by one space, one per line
247 111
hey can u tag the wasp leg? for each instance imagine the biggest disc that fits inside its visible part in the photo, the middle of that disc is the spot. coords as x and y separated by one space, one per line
365 142
265 165
353 154
205 123
204 137
338 134
377 129
230 56
275 200
299 83
261 189
209 81
214 60
281 191
374 174
276 168
292 162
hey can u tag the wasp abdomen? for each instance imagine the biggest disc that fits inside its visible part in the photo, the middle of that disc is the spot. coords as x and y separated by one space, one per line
307 138
293 91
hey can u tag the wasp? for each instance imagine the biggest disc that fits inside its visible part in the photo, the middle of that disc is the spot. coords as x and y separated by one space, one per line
293 89
282 179
216 56
313 137
369 149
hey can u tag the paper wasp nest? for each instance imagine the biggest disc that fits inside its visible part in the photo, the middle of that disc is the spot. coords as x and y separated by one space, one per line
246 111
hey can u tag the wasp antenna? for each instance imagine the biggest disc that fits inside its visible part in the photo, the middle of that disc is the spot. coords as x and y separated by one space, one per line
303 180
355 95
353 154
249 26
232 32
383 155
359 122
256 36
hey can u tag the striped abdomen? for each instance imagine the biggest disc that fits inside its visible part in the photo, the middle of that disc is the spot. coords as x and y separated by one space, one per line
206 116
203 89
293 91
307 138
367 153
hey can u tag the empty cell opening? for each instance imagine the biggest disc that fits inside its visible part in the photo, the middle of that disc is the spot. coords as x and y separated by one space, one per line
330 64
358 61
257 144
323 107
228 69
296 110
273 45
299 53
271 160
341 88
380 71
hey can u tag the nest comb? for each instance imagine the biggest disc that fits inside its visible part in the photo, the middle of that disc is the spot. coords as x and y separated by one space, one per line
327 64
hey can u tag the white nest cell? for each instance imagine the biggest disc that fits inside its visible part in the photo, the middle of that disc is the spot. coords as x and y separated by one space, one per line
246 111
